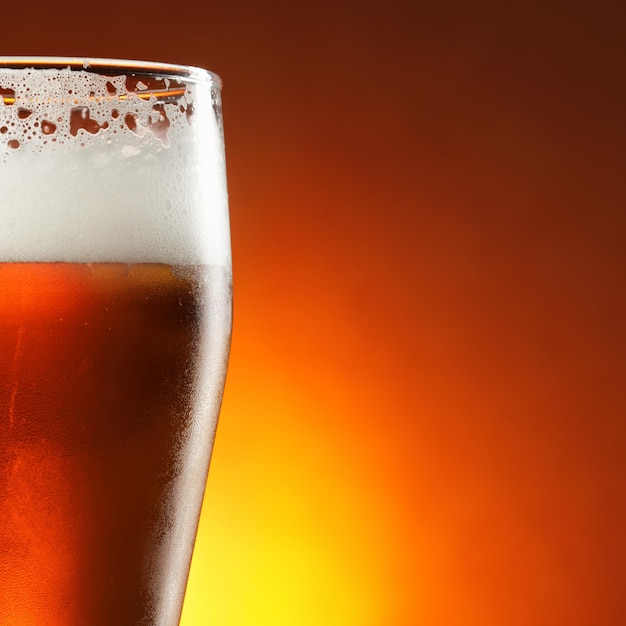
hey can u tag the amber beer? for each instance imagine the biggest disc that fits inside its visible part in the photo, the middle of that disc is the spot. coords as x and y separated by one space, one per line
101 366
115 321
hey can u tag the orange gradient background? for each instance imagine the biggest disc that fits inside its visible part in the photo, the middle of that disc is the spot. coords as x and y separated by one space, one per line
424 422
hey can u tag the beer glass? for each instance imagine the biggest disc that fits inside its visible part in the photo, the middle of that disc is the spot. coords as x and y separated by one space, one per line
115 321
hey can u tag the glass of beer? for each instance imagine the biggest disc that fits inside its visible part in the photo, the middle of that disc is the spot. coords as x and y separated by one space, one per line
115 322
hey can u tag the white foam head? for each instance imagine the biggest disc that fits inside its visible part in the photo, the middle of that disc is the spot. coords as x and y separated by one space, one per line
101 166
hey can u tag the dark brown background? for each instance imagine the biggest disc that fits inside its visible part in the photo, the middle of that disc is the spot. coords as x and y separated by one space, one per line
424 418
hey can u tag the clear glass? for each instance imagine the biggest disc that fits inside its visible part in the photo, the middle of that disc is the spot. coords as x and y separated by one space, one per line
115 322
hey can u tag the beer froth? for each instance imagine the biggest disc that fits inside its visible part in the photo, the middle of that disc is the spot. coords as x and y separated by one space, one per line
130 153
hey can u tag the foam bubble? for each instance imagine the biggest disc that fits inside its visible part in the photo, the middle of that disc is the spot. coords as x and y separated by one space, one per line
99 168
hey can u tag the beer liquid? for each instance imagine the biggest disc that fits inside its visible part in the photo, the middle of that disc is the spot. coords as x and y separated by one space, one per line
109 376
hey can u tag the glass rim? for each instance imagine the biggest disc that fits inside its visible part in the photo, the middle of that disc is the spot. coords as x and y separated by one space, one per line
111 66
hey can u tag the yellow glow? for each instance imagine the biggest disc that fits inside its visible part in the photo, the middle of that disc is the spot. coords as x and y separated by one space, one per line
285 536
